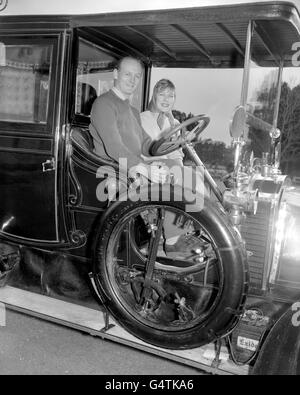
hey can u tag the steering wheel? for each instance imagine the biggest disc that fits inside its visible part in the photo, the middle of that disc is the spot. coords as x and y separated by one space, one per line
167 143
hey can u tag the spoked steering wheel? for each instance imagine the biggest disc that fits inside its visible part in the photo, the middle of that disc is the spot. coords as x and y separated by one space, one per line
167 143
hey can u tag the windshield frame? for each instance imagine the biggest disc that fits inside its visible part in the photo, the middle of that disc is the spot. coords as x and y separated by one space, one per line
251 119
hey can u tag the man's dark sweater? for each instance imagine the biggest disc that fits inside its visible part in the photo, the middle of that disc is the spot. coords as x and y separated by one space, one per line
117 131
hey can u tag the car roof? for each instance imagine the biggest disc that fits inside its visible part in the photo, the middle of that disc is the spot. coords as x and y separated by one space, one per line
209 36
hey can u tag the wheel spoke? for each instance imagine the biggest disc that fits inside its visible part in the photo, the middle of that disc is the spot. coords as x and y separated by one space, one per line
164 268
156 233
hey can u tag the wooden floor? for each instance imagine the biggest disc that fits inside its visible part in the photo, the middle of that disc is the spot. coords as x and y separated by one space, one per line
95 322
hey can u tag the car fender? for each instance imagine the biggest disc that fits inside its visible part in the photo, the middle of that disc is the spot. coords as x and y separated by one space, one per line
279 354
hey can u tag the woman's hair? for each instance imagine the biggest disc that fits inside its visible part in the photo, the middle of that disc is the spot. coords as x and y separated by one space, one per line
160 86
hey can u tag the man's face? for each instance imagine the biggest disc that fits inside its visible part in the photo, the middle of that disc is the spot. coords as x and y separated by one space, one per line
128 76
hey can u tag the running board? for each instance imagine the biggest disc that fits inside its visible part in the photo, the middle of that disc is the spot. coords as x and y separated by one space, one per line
97 323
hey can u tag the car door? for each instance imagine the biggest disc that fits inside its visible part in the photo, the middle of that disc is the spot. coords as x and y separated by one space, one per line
28 119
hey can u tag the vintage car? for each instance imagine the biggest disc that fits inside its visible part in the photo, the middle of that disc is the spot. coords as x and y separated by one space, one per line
227 271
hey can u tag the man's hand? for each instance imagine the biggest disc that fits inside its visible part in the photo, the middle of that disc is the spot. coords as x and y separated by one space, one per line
159 172
156 172
140 170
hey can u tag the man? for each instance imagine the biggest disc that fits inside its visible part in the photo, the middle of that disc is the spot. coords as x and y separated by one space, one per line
117 131
116 126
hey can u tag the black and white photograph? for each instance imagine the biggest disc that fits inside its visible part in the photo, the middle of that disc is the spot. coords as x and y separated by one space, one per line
150 190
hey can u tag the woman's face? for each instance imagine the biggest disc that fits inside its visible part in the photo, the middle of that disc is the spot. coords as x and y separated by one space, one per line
165 100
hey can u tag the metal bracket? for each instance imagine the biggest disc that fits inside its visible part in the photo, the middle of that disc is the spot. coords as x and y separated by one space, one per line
216 362
107 325
49 165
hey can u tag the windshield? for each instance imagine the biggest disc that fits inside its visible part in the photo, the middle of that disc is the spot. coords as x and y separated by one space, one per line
261 99
273 101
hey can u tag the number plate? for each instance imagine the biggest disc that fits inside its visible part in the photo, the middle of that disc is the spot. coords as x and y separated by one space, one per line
246 343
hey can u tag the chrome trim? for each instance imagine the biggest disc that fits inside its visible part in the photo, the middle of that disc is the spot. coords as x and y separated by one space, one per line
270 244
77 198
58 127
78 238
278 94
278 241
86 165
87 209
49 165
26 151
21 239
275 138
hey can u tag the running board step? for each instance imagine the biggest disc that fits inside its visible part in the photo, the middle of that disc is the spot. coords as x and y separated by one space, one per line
96 323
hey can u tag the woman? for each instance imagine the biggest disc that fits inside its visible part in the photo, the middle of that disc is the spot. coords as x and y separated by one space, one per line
156 120
159 118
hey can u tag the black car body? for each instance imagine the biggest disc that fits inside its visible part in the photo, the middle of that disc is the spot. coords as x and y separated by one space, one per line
53 66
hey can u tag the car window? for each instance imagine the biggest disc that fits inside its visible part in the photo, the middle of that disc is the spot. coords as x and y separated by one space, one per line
25 72
95 77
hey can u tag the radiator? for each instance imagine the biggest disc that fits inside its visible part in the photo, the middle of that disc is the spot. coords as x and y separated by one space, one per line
256 231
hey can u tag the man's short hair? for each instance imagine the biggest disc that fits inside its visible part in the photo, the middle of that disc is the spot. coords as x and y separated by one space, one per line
119 62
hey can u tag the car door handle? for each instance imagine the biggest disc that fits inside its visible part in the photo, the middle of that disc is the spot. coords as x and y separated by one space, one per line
49 165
